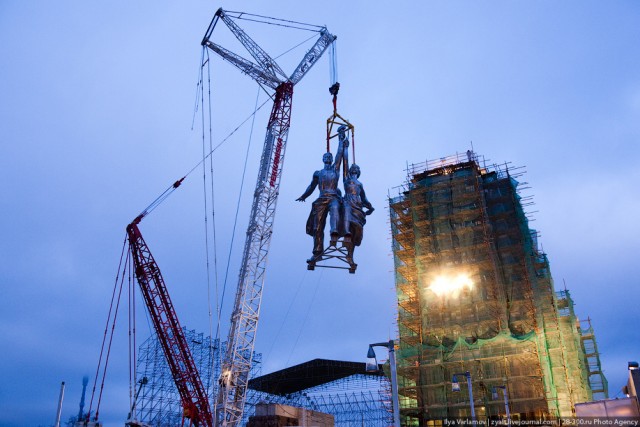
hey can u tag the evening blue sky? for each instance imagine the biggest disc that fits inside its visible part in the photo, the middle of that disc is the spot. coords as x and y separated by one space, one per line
96 111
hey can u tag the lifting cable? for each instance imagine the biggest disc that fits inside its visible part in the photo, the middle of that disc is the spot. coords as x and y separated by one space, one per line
131 380
335 118
199 89
204 190
286 315
275 21
162 197
111 321
244 171
235 221
306 317
206 155
132 336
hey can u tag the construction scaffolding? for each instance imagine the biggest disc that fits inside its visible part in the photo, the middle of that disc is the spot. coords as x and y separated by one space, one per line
342 389
158 402
456 217
597 380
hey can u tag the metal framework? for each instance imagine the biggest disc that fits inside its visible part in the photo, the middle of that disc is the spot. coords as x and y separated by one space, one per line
346 390
159 403
194 398
354 399
244 318
456 215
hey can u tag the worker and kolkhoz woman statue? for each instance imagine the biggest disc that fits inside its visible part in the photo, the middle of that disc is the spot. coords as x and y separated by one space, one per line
347 214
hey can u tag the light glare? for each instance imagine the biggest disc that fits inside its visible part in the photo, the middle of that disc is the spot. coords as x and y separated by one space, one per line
443 285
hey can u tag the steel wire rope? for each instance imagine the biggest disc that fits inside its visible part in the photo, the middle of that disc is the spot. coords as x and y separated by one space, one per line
106 328
204 190
233 233
235 222
166 193
201 64
130 314
113 327
286 315
318 28
135 344
199 90
298 45
302 325
219 299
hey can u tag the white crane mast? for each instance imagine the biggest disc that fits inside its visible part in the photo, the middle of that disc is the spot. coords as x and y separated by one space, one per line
244 318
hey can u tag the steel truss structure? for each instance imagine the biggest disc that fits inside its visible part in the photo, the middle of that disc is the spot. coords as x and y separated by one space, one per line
354 400
345 390
370 406
165 322
159 403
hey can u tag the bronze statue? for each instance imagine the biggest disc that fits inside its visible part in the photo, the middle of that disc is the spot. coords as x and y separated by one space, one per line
355 199
328 202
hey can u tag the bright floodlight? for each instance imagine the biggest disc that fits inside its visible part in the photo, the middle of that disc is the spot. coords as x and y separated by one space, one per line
448 285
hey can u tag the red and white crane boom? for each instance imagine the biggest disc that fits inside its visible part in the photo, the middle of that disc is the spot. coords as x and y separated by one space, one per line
244 318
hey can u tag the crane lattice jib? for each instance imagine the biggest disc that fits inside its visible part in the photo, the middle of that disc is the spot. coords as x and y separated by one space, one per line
262 57
170 335
244 321
244 318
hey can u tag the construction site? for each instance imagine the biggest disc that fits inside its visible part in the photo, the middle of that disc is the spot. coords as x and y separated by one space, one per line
206 225
344 390
476 305
181 377
476 301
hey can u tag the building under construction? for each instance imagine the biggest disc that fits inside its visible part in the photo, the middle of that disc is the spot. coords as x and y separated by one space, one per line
475 295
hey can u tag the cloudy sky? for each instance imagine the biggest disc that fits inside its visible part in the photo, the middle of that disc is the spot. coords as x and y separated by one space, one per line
96 112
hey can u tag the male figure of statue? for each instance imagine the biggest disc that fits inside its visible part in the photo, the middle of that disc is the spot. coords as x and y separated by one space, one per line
328 202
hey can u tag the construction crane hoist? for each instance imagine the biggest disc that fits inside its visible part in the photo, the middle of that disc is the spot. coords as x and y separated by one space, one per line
237 361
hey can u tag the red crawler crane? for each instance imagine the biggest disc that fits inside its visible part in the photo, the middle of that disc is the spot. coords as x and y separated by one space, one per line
170 335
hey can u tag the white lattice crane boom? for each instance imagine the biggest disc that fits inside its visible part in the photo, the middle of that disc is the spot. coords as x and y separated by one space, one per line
244 318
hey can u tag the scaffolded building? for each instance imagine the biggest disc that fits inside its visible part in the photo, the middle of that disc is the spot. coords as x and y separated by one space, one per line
345 390
475 294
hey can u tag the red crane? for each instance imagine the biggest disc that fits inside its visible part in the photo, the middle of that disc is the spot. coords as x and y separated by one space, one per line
195 402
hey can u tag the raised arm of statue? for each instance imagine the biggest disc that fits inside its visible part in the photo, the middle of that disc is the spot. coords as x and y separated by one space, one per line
345 159
342 156
310 188
339 154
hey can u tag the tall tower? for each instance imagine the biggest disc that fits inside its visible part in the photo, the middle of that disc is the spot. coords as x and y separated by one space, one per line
475 294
